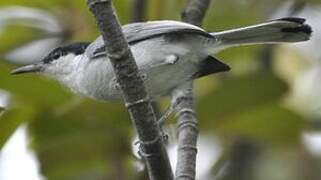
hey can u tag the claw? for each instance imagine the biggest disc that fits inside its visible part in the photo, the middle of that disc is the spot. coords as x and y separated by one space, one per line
141 153
165 138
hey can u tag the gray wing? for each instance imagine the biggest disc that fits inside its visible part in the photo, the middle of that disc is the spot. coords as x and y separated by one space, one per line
137 32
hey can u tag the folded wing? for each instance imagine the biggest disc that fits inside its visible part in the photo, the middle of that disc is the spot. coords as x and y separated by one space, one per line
137 32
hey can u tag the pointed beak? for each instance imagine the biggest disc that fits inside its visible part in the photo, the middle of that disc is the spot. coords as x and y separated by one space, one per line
28 69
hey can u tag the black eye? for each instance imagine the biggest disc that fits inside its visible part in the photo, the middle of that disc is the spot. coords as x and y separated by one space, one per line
56 56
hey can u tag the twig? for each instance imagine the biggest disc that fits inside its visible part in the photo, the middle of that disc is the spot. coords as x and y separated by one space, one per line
134 93
187 126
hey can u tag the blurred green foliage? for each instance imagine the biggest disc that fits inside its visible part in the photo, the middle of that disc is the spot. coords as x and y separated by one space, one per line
81 137
249 106
78 138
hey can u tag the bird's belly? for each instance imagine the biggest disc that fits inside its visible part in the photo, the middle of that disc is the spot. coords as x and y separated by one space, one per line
159 81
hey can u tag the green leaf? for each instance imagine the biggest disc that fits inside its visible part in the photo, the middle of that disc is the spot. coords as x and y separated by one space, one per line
11 119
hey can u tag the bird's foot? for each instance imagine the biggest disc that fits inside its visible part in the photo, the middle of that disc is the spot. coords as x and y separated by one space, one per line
168 112
141 153
145 144
161 122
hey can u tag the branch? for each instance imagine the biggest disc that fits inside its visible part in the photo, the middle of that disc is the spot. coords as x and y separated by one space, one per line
138 10
139 15
195 11
134 93
187 132
241 161
187 126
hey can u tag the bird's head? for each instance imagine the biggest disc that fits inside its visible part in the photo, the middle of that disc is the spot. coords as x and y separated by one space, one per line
58 62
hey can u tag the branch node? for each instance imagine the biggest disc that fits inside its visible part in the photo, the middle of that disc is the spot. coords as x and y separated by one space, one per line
188 147
187 123
185 176
185 111
140 101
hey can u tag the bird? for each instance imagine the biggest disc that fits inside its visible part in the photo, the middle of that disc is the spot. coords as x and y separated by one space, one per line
168 54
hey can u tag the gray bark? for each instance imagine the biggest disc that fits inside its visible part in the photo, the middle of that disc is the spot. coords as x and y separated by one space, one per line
240 164
134 93
187 126
138 14
187 132
195 11
138 10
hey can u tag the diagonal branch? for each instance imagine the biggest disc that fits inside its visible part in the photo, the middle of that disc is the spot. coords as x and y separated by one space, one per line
187 126
134 93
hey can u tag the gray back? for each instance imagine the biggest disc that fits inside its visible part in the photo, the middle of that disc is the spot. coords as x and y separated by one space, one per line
136 32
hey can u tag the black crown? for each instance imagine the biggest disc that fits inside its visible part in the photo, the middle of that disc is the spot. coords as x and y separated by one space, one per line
75 48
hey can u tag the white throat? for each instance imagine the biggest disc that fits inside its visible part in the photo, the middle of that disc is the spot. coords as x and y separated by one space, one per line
67 69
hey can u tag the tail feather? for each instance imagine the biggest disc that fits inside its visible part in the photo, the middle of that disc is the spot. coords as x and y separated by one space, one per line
275 31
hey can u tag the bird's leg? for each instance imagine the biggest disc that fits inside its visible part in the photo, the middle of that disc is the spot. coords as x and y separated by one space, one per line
161 122
170 59
168 112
